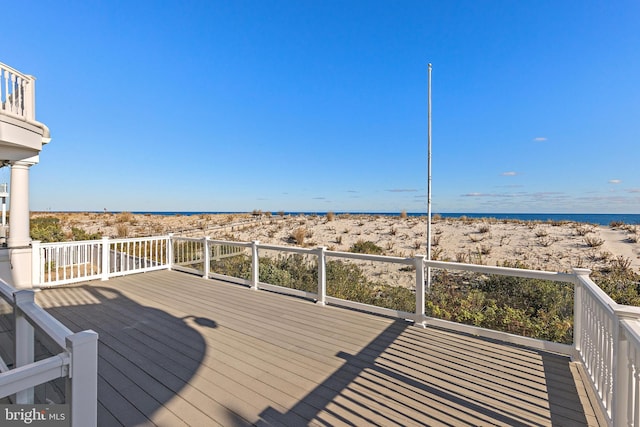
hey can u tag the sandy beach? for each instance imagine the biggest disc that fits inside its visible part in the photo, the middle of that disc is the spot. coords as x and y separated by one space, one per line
551 246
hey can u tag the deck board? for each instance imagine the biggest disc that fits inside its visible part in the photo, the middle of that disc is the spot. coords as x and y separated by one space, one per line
176 349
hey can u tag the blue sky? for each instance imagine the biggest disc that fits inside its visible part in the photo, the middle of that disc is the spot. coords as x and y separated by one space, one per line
322 105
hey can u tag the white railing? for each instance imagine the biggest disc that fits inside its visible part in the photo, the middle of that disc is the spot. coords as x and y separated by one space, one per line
74 358
17 93
72 262
606 334
607 342
195 255
68 262
128 256
189 255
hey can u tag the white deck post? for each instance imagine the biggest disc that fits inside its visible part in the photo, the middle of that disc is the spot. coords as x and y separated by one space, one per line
83 347
255 265
420 317
30 98
322 275
170 251
36 263
621 405
105 258
577 308
207 257
24 340
625 373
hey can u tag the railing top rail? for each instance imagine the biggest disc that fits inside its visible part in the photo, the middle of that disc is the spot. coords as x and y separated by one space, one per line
14 71
213 241
136 239
371 257
6 290
187 239
632 328
595 291
504 271
288 249
37 316
229 243
71 243
46 323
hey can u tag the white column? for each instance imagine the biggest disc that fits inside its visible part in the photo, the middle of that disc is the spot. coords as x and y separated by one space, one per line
19 205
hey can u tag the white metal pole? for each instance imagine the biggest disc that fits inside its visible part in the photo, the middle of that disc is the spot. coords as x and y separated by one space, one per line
429 182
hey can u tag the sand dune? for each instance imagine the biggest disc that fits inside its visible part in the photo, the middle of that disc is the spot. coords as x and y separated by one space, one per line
551 246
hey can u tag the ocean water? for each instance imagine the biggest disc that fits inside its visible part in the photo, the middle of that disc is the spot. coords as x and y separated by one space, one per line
599 219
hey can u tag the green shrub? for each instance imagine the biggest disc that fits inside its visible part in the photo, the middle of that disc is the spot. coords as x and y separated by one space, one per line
46 229
366 247
80 234
619 281
530 307
347 281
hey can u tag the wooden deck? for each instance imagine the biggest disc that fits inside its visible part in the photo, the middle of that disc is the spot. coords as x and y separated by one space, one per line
176 349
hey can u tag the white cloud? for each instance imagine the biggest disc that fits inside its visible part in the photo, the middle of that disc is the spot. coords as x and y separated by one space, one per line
510 173
475 195
614 181
540 139
402 190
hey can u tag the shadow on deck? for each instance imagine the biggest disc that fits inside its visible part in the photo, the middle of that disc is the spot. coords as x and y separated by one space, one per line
176 349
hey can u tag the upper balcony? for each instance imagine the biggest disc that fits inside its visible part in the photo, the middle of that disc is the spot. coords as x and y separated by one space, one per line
21 135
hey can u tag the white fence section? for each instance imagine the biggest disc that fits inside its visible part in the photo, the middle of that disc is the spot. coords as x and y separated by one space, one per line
76 358
71 262
196 255
606 334
128 256
17 93
68 262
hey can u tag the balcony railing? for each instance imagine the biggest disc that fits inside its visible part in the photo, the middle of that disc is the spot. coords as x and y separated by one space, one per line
606 335
73 357
17 93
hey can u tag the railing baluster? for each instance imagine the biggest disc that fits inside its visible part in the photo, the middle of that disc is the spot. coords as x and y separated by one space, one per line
21 85
11 96
5 97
